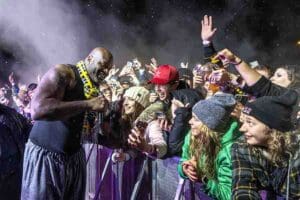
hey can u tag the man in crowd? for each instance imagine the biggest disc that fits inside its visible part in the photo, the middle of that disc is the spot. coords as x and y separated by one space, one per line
165 80
64 108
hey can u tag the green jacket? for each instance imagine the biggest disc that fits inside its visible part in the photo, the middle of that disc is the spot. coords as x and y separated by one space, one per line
220 188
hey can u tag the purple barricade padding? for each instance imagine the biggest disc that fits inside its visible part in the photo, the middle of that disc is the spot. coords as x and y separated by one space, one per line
119 180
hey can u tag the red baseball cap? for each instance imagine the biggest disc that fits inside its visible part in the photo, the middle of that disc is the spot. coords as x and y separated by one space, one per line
165 74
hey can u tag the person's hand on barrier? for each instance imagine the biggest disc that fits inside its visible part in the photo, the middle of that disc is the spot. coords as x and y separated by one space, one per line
190 170
132 140
119 157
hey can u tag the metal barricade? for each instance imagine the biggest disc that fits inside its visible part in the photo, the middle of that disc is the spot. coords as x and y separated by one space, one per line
160 176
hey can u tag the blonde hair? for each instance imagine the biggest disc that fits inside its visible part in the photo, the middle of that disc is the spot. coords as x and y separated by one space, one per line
280 146
205 147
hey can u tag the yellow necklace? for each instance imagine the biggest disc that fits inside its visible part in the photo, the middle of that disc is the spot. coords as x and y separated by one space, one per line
90 91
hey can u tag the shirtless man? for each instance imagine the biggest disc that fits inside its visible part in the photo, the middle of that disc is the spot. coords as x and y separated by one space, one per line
54 161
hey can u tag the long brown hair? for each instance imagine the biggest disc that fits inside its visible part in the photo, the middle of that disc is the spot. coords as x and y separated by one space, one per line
127 121
205 147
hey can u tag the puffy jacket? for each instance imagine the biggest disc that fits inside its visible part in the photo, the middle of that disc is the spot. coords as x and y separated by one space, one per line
181 125
221 187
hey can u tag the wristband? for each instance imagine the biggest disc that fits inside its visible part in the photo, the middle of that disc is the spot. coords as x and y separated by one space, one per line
206 42
238 62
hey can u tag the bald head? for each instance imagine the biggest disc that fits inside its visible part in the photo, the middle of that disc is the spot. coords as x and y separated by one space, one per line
98 63
101 53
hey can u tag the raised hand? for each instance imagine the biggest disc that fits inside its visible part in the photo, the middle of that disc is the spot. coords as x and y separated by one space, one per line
154 62
117 92
184 65
113 71
119 156
178 104
207 30
152 66
11 79
38 79
127 69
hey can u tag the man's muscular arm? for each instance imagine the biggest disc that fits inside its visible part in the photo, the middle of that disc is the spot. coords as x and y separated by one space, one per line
47 103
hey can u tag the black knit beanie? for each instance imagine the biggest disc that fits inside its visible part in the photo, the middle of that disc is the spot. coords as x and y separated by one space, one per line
274 111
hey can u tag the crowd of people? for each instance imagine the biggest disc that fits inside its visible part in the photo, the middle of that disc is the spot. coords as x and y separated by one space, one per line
234 125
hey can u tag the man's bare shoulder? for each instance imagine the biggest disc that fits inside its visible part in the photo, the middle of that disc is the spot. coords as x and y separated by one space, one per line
63 72
63 69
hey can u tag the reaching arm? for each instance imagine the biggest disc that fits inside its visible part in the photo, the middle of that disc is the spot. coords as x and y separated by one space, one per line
249 75
179 130
207 33
156 138
48 102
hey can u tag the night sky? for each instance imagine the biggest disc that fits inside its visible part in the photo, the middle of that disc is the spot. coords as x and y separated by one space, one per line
168 30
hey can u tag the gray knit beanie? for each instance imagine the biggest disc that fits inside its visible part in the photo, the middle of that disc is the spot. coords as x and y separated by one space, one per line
215 111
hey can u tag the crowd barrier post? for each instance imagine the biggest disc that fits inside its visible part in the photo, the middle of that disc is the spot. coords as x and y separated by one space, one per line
179 189
154 193
98 188
90 153
138 183
117 169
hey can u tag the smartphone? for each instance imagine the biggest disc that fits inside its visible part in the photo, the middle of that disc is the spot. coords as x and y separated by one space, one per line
160 115
141 125
242 98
